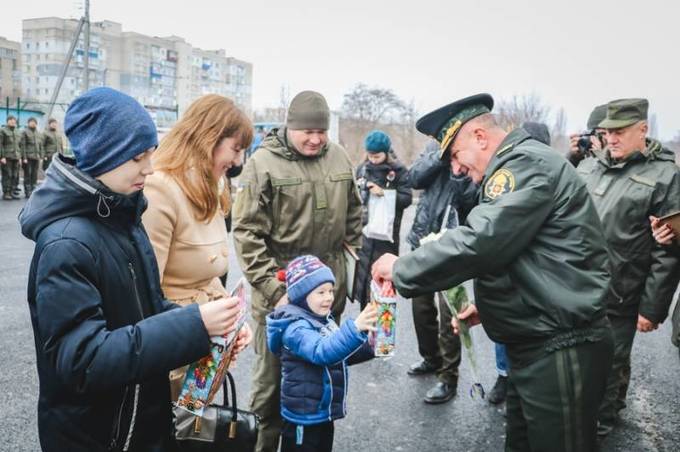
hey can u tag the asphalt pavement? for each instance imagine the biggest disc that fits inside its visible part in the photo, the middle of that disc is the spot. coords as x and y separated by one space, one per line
385 406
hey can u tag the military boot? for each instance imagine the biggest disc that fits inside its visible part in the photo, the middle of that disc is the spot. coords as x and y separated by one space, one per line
440 393
499 390
423 367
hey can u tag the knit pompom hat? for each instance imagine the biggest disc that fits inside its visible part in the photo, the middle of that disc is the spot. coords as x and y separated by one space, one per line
106 128
377 141
303 275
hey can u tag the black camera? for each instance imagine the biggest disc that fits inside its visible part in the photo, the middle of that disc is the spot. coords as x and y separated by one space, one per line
584 144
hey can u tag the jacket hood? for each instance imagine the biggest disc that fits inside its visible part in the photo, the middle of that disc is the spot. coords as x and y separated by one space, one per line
277 142
281 318
655 150
68 192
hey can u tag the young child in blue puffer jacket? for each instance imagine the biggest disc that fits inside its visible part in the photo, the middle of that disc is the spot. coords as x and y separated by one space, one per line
314 354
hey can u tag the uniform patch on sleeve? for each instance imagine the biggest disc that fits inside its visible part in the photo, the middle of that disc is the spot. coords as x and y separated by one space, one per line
502 181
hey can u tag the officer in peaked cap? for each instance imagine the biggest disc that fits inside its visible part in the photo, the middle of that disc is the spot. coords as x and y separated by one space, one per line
535 249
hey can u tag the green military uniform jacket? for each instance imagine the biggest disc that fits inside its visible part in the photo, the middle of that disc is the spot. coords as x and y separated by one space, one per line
288 205
31 144
534 245
644 274
52 143
10 147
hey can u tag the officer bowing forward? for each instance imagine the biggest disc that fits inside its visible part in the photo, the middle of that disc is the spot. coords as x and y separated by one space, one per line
535 248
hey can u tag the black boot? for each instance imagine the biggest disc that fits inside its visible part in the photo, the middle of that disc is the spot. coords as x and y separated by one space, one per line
440 393
423 367
499 390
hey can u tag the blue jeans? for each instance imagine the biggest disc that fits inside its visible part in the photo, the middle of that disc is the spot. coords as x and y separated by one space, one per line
501 360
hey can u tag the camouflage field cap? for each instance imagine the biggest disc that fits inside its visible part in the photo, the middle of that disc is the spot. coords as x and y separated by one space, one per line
625 112
597 116
443 124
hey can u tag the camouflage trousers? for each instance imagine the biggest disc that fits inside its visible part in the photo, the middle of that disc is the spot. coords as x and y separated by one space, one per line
552 403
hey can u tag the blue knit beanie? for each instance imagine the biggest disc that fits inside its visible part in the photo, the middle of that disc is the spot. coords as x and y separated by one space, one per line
377 141
303 275
106 128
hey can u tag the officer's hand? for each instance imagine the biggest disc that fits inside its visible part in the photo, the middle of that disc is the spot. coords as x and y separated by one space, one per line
645 326
469 315
219 316
382 268
25 161
3 161
282 301
662 232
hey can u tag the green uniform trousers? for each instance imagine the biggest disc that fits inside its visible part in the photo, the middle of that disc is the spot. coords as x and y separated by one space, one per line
10 176
624 328
436 341
31 175
265 395
552 403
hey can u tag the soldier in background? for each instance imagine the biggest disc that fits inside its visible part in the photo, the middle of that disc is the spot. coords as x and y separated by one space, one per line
634 178
52 142
10 158
31 155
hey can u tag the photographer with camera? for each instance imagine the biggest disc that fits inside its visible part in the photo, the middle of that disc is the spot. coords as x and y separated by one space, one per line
590 142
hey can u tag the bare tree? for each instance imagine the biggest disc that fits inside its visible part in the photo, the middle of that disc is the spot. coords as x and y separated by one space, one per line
512 113
371 105
653 126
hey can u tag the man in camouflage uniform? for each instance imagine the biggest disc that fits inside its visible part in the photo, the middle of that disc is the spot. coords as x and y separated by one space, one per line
297 196
10 158
535 247
52 142
31 154
635 178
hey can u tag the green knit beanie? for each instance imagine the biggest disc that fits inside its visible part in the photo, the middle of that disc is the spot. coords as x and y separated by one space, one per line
308 110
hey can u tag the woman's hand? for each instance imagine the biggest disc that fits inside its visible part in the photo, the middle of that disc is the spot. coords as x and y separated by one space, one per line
219 316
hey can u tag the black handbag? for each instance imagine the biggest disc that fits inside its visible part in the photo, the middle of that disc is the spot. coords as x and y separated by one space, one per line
222 428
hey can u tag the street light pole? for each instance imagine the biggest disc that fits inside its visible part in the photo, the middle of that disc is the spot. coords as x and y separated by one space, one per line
86 55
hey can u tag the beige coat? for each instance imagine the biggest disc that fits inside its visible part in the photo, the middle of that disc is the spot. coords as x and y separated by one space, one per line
191 255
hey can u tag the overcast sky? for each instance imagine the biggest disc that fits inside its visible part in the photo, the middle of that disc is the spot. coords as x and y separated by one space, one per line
573 53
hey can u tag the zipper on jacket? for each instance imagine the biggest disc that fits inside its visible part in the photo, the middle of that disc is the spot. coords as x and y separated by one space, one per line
131 429
115 429
132 422
330 405
134 285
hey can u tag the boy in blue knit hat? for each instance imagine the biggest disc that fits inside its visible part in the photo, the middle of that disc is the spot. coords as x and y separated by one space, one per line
314 354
